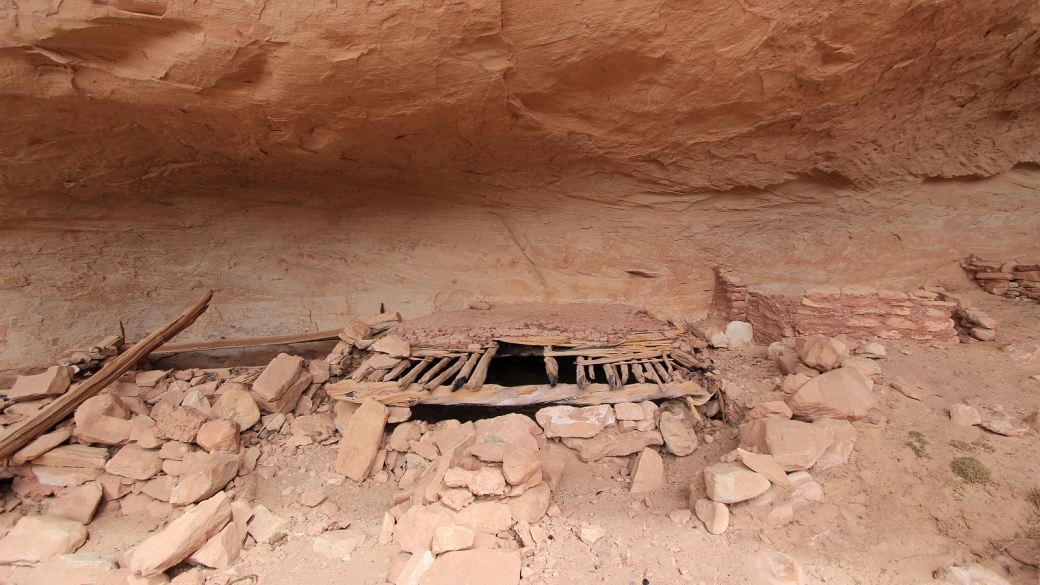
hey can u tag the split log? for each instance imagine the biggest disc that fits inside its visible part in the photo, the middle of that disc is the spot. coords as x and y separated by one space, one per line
495 395
446 373
397 370
434 370
592 372
652 375
377 375
583 382
247 341
623 367
611 375
552 369
480 374
637 371
467 369
667 362
24 432
414 372
361 372
662 372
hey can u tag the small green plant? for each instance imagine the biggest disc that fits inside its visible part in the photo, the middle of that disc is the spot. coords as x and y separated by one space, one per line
972 470
961 445
919 444
984 446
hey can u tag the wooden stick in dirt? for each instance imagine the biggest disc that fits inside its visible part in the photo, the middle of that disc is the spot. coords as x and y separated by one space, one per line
248 341
397 370
623 367
480 374
446 373
637 371
467 369
443 363
552 369
611 375
662 372
583 382
414 372
24 432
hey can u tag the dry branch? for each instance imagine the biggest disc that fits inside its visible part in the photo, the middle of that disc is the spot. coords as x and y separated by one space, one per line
22 433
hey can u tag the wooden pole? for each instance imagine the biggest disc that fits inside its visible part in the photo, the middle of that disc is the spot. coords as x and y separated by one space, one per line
434 370
463 376
414 372
22 433
480 374
248 341
446 373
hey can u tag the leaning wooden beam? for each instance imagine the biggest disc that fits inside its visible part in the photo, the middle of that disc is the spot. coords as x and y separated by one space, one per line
667 362
624 373
446 373
583 382
463 376
611 375
552 369
619 358
495 395
637 371
22 433
480 373
248 341
662 372
414 372
436 369
397 370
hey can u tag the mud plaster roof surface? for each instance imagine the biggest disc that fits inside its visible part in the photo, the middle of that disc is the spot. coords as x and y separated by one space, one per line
593 322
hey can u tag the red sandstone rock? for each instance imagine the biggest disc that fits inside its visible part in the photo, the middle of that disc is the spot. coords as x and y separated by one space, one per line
842 394
647 472
475 567
53 382
357 449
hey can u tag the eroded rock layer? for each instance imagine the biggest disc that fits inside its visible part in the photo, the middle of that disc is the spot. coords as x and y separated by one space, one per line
311 161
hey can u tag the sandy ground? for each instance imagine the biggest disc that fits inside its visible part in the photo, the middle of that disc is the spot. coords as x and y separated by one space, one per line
889 517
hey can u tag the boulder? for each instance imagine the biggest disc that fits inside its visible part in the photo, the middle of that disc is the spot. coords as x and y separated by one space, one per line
319 370
739 333
182 537
54 382
679 437
77 503
872 350
222 550
730 483
359 445
475 567
486 517
104 419
415 568
338 544
219 435
867 367
415 529
963 415
285 402
41 445
316 426
74 456
841 449
766 466
531 505
647 472
204 476
844 393
573 421
771 409
277 378
134 462
628 411
402 436
236 404
614 445
969 574
794 445
343 412
793 382
714 515
267 527
519 465
553 463
35 538
447 538
1003 427
177 423
64 476
819 352
514 429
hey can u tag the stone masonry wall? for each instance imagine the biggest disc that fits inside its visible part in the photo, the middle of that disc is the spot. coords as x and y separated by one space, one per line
856 311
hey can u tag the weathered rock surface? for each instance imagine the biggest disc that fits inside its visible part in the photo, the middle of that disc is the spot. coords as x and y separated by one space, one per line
236 404
963 415
679 437
614 445
134 462
573 421
358 447
819 352
77 503
182 537
36 538
53 382
204 476
794 445
844 393
475 567
647 472
714 515
730 483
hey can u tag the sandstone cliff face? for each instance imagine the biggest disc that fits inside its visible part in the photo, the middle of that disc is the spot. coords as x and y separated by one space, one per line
311 160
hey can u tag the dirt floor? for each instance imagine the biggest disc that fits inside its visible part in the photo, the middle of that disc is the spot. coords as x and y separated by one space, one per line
890 515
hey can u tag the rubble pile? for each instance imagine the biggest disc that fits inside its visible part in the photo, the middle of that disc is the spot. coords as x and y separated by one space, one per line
1012 278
